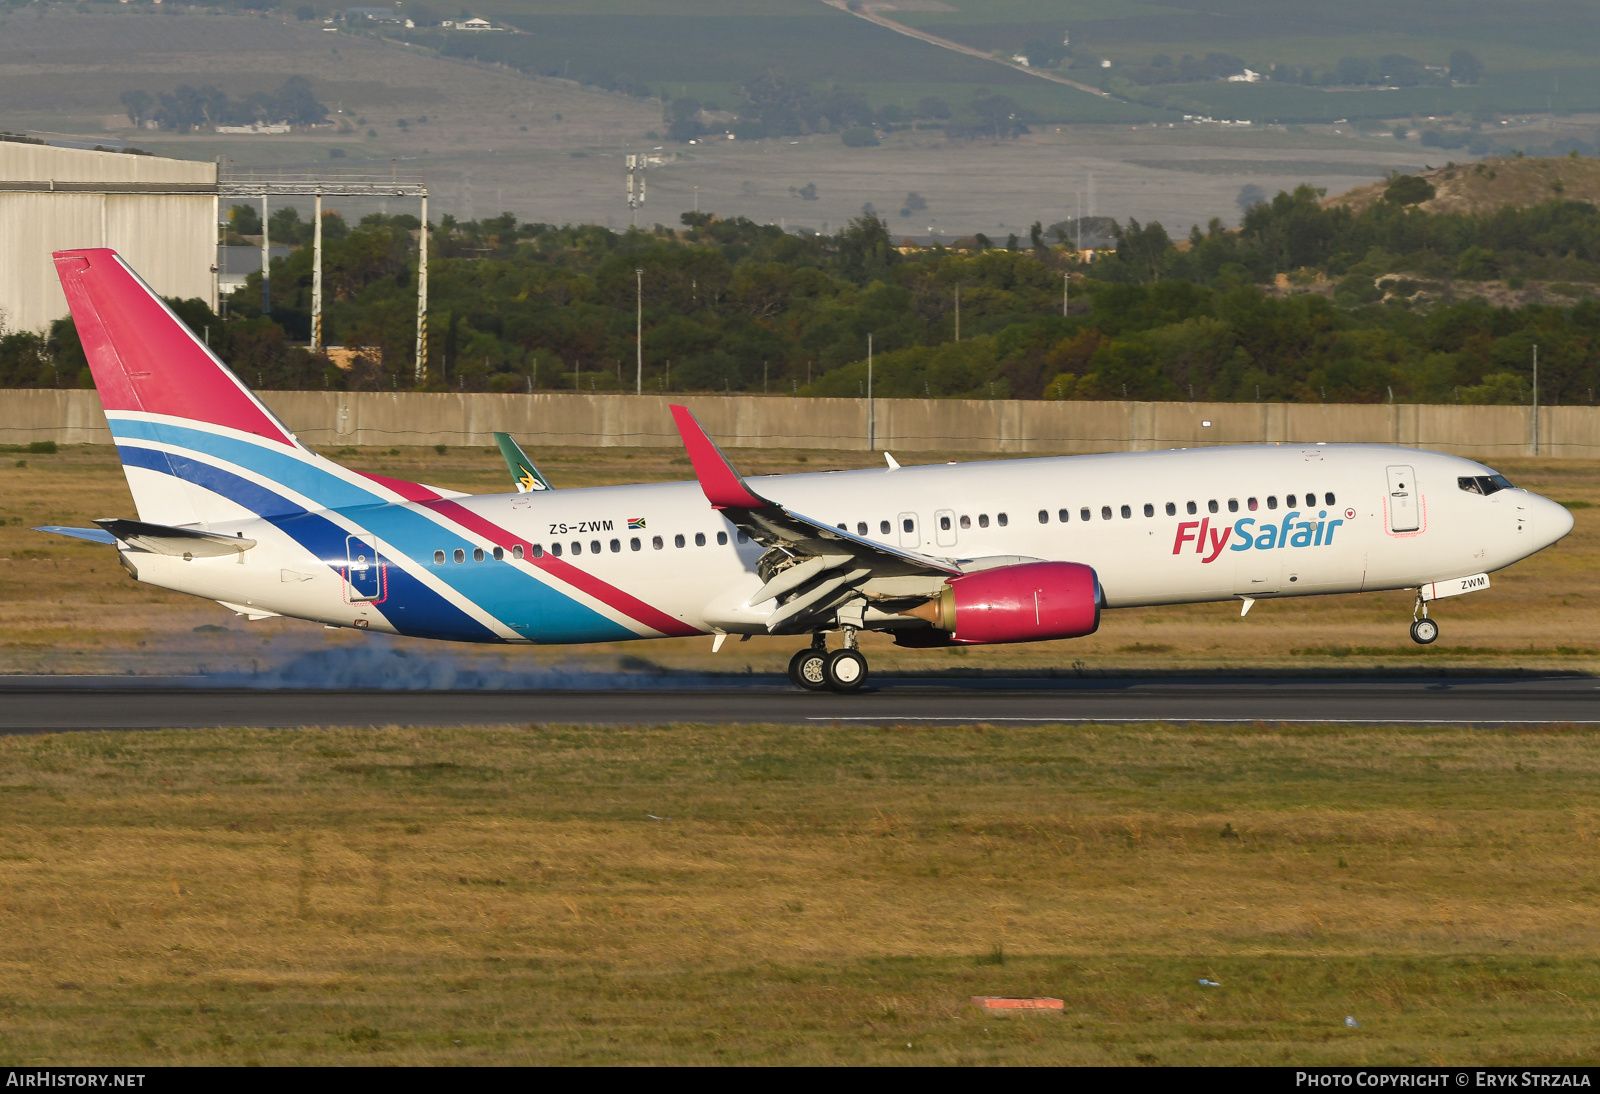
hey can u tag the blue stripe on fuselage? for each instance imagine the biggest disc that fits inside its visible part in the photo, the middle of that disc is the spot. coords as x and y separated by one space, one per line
518 599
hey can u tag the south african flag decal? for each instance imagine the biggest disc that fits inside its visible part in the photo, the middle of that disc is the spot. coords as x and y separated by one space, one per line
635 523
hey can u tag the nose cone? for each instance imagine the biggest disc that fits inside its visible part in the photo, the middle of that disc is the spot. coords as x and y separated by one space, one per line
1551 520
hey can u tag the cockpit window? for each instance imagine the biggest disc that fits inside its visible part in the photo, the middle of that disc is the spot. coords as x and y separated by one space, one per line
1483 484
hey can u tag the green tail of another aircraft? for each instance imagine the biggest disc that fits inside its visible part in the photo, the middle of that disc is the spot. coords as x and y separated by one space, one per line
523 473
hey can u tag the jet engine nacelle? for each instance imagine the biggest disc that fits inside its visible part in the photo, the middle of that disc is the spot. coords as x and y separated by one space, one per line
1024 603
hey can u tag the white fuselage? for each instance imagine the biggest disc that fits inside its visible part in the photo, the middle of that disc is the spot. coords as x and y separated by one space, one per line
1337 524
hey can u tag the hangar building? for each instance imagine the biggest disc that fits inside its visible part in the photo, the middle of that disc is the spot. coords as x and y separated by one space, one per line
160 214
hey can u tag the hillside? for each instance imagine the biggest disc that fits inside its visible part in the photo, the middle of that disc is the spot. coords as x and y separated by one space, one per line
1493 184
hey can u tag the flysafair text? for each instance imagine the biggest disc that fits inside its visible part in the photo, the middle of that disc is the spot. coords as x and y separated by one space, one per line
1246 535
233 507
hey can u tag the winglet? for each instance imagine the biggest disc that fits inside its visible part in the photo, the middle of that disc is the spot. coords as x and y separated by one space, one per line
723 486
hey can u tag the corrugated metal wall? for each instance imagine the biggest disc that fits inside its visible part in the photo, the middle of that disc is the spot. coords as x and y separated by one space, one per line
169 238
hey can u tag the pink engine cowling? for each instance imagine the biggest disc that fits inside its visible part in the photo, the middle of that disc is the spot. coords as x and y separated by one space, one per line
1026 603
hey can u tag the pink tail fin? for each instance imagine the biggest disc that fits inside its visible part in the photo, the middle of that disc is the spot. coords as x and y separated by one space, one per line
144 359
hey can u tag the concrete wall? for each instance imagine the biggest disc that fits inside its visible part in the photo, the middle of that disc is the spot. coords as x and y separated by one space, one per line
902 425
155 212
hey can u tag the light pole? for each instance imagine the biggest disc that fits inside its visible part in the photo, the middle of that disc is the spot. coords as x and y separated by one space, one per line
266 261
316 276
422 297
872 440
1536 398
638 331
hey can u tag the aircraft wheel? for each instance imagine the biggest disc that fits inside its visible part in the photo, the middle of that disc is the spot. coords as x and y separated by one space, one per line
847 670
808 669
1424 631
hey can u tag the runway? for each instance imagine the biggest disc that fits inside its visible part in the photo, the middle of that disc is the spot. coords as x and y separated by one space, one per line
44 704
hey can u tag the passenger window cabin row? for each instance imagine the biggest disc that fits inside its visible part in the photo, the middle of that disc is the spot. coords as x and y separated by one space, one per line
1063 516
537 550
1108 512
1191 508
909 524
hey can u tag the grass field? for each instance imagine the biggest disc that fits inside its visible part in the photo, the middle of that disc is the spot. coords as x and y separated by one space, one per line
692 894
66 606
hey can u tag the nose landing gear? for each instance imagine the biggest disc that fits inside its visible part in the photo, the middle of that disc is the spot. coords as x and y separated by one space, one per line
842 670
1423 629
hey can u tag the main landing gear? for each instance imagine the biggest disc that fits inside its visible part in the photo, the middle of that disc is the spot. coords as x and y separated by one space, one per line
1423 629
815 669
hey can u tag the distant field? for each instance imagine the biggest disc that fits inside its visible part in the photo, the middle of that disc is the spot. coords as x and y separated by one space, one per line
66 606
547 149
712 56
1538 54
548 894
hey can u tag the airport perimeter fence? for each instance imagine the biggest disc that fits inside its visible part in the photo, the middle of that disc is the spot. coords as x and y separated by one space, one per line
331 418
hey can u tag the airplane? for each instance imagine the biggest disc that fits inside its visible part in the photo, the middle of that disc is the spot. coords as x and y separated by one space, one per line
233 507
524 475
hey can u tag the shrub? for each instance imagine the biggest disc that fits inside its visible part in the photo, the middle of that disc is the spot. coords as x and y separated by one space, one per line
1409 190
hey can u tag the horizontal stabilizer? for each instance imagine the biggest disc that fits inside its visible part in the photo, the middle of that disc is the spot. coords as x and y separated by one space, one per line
93 535
162 539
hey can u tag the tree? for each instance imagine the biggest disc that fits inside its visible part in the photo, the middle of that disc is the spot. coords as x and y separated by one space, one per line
683 119
137 103
1143 250
864 249
998 115
1250 195
1353 70
1401 71
1465 68
245 220
294 103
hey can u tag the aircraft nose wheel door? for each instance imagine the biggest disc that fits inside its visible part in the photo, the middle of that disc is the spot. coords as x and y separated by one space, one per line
1402 500
364 578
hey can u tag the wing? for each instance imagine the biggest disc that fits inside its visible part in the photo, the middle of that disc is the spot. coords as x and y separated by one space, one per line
810 567
523 472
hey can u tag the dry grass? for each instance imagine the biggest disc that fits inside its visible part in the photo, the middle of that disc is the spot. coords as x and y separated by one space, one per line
66 606
690 894
1493 184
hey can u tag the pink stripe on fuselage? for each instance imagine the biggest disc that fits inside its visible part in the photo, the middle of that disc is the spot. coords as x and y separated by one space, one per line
411 491
607 594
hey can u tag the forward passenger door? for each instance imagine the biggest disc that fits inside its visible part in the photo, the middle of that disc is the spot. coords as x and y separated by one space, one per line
1403 508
